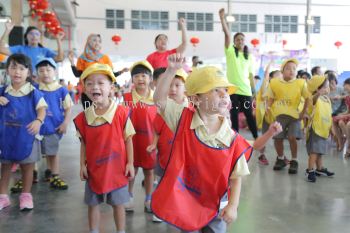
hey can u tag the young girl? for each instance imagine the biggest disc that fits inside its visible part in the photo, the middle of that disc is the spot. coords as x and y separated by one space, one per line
18 130
319 127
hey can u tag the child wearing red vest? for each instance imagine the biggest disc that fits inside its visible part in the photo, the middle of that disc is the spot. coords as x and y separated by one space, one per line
207 157
106 155
143 112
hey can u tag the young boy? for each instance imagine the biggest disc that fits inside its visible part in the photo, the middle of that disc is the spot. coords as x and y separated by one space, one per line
106 154
207 156
143 113
284 96
319 127
56 121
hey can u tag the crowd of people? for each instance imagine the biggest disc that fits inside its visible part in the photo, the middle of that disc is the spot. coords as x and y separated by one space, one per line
179 125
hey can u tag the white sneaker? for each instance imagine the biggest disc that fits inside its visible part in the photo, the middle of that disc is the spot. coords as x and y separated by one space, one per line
129 207
156 219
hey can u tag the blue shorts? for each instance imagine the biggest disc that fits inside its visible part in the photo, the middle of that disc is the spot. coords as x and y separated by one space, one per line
118 196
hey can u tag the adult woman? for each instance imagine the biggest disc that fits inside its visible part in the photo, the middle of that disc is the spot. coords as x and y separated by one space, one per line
32 47
240 72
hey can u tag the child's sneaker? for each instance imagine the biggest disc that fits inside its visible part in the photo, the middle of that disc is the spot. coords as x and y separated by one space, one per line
148 207
324 172
4 201
57 183
26 201
293 167
156 219
47 175
263 160
279 165
129 207
17 187
310 175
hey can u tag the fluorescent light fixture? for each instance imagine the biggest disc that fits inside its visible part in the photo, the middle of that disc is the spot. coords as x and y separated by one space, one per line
310 21
230 18
4 20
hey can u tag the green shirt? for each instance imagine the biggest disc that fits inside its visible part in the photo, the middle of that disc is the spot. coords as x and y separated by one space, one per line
238 70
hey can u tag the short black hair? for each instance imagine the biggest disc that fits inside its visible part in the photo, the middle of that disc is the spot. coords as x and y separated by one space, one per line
308 76
158 72
347 81
272 73
141 69
332 77
44 63
314 70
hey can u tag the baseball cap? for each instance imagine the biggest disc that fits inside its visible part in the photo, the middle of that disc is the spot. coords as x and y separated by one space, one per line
98 68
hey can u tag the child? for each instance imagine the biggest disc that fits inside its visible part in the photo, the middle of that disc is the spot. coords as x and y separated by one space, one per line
319 127
18 130
143 113
262 121
106 156
205 152
283 105
56 121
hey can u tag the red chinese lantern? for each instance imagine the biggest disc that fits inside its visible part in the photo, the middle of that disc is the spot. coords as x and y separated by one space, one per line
194 41
48 16
116 39
255 42
32 4
284 42
338 44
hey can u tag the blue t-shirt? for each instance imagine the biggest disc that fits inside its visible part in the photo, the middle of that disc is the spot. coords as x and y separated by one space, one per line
35 53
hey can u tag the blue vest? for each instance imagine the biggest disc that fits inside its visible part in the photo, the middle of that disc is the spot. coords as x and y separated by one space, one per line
15 142
55 111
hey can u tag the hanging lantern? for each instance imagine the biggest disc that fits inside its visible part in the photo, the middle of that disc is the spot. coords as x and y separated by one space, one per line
255 42
338 44
116 39
284 42
194 41
32 4
48 16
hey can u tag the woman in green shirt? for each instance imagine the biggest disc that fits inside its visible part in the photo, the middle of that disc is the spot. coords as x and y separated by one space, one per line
240 72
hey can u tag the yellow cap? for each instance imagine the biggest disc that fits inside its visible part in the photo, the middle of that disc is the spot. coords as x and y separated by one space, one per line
202 80
182 74
142 63
98 68
315 82
295 61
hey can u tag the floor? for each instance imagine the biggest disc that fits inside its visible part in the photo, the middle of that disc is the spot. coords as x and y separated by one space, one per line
271 202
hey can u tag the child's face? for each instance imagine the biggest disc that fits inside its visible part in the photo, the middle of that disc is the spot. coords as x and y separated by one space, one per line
177 89
46 74
277 74
18 73
98 88
324 90
332 84
141 81
347 88
216 101
289 71
162 42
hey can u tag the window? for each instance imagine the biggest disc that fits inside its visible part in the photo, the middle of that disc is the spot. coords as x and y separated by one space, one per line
281 23
197 21
115 19
244 23
316 28
150 20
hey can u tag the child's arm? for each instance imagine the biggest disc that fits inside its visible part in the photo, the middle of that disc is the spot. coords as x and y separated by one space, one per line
266 79
34 127
3 49
160 96
83 169
261 141
63 127
153 146
129 170
229 213
224 27
302 114
183 45
60 55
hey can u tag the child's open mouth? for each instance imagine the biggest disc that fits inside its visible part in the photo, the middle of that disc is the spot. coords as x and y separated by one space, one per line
96 94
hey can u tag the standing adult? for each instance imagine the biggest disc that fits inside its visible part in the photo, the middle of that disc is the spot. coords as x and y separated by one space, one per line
240 72
159 58
32 46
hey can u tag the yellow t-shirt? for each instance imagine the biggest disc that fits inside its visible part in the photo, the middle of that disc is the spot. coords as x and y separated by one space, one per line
67 102
222 138
147 100
322 117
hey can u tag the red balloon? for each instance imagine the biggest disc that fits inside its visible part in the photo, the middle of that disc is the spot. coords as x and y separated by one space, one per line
338 44
255 42
194 41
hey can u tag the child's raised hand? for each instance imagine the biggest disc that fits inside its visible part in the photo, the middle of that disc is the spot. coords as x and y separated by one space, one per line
182 22
9 25
34 127
71 57
275 128
151 148
130 171
60 36
176 61
229 214
3 101
222 13
62 129
83 173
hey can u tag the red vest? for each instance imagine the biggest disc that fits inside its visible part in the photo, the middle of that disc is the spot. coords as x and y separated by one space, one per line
196 178
165 140
105 151
142 117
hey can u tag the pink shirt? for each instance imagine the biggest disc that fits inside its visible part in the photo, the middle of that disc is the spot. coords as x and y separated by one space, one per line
158 59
